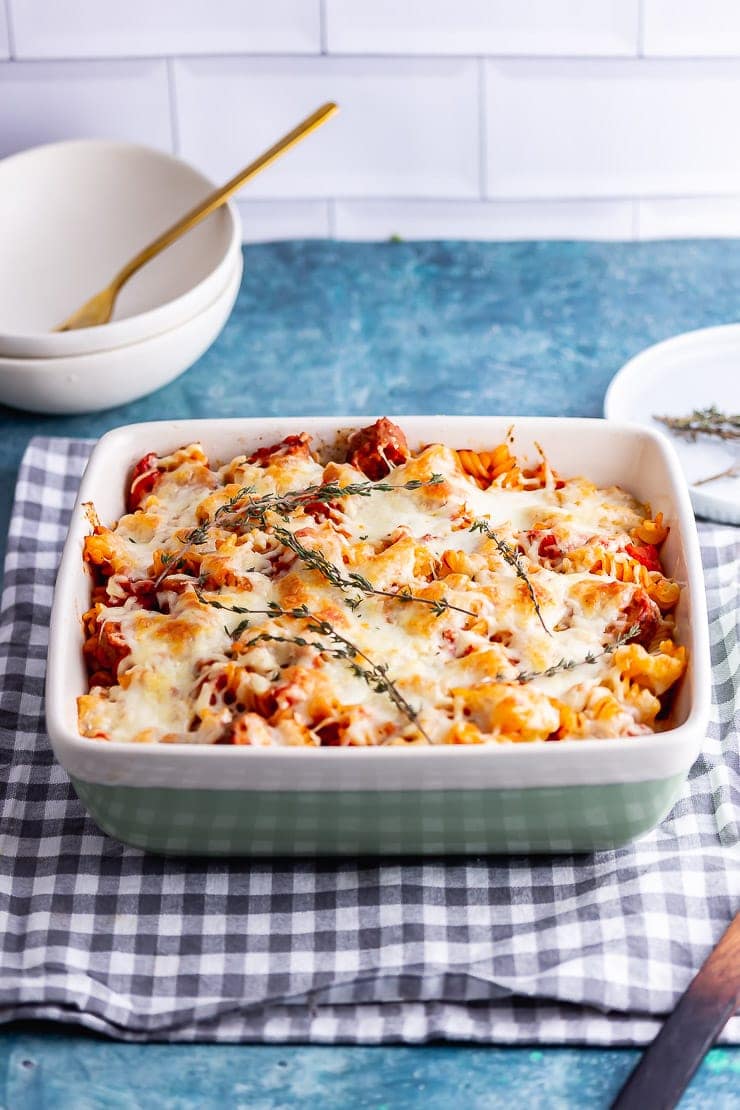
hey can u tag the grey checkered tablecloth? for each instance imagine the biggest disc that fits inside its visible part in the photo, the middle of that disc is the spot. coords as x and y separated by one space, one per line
589 949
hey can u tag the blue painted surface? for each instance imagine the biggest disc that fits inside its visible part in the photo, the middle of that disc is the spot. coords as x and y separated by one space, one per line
520 328
516 328
53 1071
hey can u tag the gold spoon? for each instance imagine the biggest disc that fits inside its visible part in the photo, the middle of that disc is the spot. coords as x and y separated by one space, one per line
98 309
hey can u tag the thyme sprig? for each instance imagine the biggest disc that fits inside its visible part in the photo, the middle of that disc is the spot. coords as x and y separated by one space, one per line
374 674
705 422
730 472
256 509
570 664
284 504
316 560
198 536
513 558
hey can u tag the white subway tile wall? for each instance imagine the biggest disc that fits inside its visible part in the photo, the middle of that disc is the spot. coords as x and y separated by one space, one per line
408 126
42 102
263 220
612 128
691 28
506 219
688 217
590 27
137 28
4 41
494 119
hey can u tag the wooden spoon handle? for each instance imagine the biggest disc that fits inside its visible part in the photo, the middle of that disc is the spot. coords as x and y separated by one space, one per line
668 1064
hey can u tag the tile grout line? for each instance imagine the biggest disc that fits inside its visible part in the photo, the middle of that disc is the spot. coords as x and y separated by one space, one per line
482 129
172 101
323 28
640 28
11 29
375 56
636 202
652 59
472 203
577 233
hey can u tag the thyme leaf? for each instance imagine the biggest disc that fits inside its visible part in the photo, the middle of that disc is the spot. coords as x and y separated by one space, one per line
570 664
254 512
316 560
705 422
286 503
374 674
512 557
730 472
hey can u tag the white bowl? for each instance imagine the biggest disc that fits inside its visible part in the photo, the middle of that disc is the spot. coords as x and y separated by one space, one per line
672 378
71 214
102 379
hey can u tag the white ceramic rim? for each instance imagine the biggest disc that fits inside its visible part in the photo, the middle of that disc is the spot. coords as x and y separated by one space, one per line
86 361
516 766
705 503
144 325
99 375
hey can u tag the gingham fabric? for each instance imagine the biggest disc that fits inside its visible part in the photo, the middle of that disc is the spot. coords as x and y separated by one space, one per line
572 949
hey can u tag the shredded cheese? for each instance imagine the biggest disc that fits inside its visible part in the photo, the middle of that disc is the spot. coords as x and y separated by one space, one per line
207 628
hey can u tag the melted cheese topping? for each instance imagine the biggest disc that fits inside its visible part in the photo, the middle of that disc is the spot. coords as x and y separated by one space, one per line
208 627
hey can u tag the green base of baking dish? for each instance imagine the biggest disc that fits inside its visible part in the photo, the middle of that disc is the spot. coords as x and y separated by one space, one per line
349 823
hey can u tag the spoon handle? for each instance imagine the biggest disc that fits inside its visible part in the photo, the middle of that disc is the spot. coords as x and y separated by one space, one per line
668 1064
220 196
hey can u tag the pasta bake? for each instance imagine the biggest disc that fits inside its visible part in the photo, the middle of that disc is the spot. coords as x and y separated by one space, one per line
361 593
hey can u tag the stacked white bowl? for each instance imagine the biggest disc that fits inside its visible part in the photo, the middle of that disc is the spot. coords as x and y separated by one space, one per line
71 215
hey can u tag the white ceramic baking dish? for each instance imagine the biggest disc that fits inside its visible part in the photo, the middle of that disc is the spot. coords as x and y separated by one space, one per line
571 796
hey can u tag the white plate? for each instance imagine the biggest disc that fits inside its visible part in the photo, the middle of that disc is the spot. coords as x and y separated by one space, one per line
691 371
